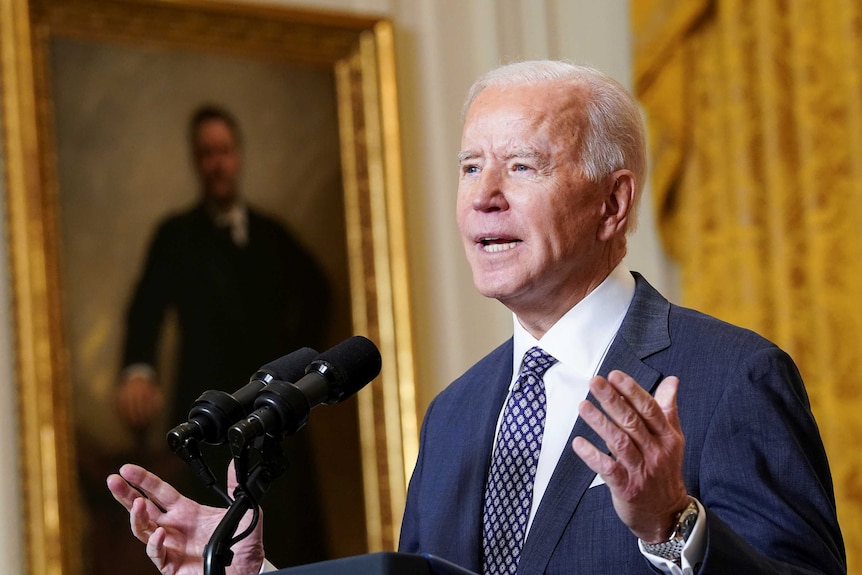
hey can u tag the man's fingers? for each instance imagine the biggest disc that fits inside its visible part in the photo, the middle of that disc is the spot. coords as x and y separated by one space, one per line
139 519
122 491
635 409
642 434
632 422
231 476
161 493
619 401
622 425
618 440
610 471
156 548
592 457
665 397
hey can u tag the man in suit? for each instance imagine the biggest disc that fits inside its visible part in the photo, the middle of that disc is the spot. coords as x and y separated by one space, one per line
721 471
615 432
245 292
244 289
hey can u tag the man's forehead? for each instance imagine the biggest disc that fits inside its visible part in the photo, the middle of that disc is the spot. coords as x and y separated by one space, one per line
552 94
212 126
558 103
523 122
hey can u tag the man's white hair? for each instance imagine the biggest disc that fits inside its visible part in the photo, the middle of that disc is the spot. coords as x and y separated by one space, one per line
615 136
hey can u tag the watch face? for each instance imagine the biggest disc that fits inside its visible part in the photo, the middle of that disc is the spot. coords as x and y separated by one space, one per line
686 521
672 548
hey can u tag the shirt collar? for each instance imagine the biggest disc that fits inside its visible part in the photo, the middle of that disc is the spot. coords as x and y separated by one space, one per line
235 218
592 323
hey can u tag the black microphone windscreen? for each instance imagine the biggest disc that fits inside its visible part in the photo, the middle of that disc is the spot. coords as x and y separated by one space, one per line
290 367
357 361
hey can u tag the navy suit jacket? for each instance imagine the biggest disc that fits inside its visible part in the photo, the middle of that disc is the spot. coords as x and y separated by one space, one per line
753 457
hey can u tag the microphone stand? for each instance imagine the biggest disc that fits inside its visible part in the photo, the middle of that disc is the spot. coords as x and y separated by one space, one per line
217 552
251 487
187 449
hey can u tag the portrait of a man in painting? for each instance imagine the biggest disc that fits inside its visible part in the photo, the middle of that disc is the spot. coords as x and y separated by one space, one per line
148 115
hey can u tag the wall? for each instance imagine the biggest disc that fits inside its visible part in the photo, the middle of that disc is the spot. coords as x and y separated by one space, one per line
11 537
442 45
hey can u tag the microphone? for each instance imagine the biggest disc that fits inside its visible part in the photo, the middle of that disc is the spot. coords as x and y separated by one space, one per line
283 407
214 411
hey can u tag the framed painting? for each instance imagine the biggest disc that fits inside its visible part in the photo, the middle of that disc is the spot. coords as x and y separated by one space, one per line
96 99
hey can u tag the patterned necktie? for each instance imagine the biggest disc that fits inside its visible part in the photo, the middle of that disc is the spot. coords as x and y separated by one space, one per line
509 493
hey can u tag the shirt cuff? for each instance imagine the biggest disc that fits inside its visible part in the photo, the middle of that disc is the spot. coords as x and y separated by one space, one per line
692 551
267 567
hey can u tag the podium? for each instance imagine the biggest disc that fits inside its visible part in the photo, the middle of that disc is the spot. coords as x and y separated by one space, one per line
384 563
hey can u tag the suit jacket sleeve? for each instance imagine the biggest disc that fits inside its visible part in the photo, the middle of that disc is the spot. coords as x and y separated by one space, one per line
307 301
150 300
409 541
764 477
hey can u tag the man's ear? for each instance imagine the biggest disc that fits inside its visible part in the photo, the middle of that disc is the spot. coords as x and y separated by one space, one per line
620 190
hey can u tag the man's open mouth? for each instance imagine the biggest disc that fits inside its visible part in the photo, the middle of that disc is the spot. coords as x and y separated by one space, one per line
493 245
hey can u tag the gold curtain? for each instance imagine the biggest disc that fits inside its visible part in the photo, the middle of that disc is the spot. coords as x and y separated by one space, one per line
755 119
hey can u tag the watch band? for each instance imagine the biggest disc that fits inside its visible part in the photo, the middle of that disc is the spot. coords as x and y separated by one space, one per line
683 525
670 549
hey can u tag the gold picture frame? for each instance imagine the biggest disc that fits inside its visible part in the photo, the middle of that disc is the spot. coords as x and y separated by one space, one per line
359 52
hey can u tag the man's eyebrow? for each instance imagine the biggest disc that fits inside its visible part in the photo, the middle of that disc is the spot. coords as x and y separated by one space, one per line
527 153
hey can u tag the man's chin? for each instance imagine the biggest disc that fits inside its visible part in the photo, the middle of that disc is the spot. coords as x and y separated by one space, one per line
493 290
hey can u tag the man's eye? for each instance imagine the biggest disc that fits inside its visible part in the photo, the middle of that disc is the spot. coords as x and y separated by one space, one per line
520 168
470 169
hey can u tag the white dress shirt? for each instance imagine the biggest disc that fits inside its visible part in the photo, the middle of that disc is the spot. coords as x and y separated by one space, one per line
236 219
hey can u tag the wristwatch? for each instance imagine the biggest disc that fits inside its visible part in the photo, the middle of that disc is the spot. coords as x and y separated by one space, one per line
683 525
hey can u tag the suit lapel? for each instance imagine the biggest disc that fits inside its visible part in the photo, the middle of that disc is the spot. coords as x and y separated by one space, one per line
643 332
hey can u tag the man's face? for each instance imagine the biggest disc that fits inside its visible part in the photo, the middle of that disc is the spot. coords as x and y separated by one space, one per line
217 160
528 217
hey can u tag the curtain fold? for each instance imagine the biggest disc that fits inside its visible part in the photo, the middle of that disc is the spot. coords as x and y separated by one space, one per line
755 118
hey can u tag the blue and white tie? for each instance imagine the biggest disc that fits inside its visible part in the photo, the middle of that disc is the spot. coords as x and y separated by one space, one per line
509 492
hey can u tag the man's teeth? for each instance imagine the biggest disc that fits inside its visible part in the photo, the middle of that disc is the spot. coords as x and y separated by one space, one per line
494 245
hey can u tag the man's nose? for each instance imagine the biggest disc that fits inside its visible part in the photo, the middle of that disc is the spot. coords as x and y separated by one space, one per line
489 193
